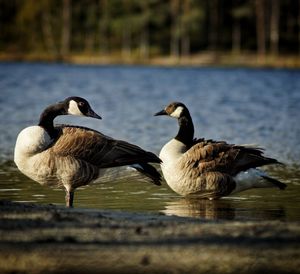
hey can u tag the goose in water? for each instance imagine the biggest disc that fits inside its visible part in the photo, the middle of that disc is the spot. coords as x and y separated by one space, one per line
207 168
71 156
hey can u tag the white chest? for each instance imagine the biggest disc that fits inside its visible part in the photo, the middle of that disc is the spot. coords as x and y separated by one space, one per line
172 151
31 142
171 155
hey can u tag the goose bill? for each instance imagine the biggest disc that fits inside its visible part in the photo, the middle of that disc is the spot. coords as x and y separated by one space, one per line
162 112
93 114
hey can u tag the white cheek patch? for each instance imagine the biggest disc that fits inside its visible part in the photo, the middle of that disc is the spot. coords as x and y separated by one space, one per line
73 109
177 112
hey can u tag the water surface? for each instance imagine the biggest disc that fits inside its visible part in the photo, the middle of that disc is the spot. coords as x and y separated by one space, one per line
260 106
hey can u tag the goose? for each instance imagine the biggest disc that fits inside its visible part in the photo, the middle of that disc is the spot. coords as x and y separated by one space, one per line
69 156
207 168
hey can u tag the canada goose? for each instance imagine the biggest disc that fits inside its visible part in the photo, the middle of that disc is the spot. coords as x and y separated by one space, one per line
72 156
207 168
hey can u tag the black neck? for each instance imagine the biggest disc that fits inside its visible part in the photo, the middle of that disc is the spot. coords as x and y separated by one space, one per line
47 117
186 129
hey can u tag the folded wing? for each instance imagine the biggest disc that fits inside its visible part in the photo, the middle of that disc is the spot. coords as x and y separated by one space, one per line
209 155
102 151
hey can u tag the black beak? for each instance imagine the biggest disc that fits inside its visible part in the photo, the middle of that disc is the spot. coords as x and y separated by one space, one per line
93 114
162 112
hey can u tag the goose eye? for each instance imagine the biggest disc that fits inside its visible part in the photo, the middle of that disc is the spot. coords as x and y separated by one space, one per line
81 104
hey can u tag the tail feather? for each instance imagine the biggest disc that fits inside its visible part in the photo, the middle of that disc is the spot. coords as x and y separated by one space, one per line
256 178
252 157
274 182
149 171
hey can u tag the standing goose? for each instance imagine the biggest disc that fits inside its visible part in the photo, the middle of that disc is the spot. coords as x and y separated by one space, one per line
72 156
207 168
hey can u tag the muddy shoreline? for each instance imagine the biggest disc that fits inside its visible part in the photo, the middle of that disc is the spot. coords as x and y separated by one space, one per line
50 239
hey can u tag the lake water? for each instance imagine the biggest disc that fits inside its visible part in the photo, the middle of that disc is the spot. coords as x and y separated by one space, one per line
260 106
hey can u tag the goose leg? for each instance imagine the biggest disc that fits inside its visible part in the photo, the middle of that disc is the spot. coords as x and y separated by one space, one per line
69 198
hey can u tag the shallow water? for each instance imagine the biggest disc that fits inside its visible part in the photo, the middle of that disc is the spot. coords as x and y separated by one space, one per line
237 105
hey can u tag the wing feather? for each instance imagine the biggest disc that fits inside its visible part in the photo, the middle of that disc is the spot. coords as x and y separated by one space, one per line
213 156
208 156
97 149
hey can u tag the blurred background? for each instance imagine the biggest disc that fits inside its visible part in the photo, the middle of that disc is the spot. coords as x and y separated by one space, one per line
233 32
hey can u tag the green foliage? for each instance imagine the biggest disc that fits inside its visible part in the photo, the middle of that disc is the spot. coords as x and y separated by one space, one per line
112 25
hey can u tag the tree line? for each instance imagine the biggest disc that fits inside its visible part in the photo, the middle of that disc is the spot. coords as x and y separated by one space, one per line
145 28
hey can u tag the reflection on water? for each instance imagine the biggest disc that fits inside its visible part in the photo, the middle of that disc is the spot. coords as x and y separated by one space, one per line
212 210
237 105
224 209
130 193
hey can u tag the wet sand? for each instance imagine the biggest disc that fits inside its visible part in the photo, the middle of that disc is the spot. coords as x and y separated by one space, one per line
50 239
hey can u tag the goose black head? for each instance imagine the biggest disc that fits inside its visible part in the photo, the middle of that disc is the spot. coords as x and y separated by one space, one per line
78 106
71 105
175 110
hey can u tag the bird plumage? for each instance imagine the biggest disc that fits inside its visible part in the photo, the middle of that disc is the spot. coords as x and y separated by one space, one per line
72 156
98 149
207 168
210 155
